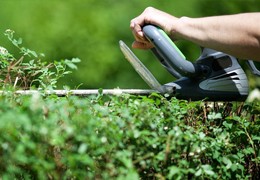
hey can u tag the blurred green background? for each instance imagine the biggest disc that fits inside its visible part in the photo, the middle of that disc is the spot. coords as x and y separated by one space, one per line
91 29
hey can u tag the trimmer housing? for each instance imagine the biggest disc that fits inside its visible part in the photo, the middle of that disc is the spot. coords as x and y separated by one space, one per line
223 79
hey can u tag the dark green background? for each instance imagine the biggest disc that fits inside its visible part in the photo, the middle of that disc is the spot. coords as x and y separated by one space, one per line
91 29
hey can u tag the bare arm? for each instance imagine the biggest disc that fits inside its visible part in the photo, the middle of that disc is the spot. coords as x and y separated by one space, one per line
238 34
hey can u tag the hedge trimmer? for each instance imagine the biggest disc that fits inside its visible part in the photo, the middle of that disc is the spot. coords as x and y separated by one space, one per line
214 76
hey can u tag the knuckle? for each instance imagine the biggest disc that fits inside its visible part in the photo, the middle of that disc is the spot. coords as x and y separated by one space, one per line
149 9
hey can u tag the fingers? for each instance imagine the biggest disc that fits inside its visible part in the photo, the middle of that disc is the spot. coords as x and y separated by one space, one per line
136 25
143 18
140 40
137 31
156 17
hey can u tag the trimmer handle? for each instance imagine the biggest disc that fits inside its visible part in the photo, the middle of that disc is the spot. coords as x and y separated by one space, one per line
169 55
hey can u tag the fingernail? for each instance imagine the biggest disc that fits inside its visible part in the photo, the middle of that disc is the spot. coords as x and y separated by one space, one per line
140 33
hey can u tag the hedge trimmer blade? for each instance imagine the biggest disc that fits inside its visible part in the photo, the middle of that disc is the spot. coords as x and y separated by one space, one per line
140 68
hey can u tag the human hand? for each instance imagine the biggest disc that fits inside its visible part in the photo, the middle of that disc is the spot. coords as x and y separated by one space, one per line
151 16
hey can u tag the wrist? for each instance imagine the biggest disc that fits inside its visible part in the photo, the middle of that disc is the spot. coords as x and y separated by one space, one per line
179 27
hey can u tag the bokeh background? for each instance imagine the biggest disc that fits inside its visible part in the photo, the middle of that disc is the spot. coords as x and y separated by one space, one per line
91 30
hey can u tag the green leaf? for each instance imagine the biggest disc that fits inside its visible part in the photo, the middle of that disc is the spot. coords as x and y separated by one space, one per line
131 175
70 64
227 162
174 170
208 170
75 60
19 41
213 116
227 125
199 172
255 138
248 151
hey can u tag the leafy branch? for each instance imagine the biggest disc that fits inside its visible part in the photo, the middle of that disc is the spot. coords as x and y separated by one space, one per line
29 71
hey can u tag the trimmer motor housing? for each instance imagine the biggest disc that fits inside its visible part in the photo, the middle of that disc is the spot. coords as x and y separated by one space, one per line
223 79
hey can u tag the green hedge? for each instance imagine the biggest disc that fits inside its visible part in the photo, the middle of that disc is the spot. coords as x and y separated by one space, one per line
127 137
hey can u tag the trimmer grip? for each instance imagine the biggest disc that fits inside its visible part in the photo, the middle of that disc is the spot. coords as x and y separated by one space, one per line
167 50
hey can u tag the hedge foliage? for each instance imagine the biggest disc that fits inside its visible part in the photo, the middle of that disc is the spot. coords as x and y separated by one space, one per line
127 137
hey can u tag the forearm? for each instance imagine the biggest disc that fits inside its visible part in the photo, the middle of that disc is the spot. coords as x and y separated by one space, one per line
238 35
